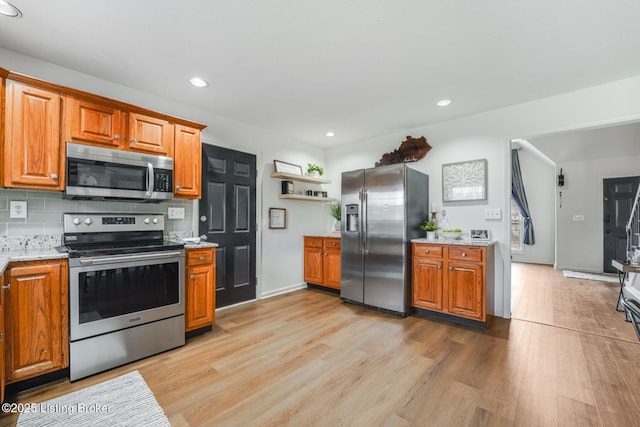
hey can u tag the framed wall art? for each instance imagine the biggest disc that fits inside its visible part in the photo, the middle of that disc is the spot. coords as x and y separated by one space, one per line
464 181
284 167
277 218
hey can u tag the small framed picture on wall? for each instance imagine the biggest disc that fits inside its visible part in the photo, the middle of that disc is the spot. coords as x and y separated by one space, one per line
277 218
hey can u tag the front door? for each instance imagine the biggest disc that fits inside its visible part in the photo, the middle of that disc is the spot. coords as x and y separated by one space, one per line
619 194
228 218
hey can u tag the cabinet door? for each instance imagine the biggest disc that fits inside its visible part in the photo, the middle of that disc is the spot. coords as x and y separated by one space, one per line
37 323
32 154
200 297
332 268
427 283
466 290
187 163
313 265
94 124
150 135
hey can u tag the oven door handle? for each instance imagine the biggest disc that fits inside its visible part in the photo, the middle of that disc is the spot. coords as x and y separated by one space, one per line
125 258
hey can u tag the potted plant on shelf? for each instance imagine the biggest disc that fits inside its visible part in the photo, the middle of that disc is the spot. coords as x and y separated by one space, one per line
335 210
314 170
430 227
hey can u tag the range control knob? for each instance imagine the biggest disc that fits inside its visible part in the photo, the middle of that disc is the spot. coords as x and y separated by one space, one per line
76 221
88 221
155 220
147 220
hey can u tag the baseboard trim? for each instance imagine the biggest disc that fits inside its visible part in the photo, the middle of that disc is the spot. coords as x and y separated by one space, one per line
284 290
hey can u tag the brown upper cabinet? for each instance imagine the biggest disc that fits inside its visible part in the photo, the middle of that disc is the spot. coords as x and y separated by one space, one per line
39 117
32 153
187 163
93 124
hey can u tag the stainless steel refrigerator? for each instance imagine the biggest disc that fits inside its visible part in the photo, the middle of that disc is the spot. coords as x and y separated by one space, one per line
382 209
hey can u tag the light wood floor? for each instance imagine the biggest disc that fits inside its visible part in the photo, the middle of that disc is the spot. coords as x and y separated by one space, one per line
307 359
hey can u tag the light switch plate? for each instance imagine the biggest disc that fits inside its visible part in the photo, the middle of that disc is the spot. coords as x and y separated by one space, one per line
17 209
175 213
495 213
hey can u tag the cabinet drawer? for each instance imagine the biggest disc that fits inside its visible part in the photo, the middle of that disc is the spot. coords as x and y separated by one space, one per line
315 242
332 243
427 251
465 253
199 256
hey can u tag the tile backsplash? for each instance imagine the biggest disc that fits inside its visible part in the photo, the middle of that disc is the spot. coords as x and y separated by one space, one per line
43 226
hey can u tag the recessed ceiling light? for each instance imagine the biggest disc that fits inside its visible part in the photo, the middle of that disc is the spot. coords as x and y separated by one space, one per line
443 102
8 9
197 81
330 134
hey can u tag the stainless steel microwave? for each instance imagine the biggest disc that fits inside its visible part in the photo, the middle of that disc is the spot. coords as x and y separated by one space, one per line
102 173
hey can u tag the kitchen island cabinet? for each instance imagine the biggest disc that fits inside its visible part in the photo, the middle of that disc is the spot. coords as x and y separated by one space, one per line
36 318
200 288
322 261
451 279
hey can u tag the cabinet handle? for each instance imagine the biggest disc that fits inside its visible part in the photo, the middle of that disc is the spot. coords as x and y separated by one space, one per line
7 287
464 254
426 251
201 258
116 136
191 277
54 176
132 139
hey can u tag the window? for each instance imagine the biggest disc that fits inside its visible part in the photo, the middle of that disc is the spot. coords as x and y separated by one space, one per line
516 230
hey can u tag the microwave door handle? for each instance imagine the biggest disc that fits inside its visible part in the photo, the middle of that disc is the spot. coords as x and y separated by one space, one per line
150 180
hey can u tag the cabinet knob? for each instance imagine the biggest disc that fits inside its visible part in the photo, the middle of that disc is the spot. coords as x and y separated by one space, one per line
54 176
464 254
439 267
177 187
116 137
326 254
201 258
450 268
426 251
333 243
132 139
191 276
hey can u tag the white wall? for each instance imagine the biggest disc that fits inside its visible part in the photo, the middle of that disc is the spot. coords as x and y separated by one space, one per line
487 135
580 243
539 179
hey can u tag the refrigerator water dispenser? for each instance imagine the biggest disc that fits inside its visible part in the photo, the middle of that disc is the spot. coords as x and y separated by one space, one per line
352 218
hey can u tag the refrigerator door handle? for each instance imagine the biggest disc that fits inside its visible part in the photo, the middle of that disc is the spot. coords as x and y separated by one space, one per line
365 222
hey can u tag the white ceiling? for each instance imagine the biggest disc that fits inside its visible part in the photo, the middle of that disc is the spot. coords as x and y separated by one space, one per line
361 68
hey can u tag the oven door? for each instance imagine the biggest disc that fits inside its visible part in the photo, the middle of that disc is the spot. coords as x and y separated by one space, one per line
111 293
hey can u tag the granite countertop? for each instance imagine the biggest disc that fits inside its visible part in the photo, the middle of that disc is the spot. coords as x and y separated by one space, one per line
193 245
28 255
463 242
336 236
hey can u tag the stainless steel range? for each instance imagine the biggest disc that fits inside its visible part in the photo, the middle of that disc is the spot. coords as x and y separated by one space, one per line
126 289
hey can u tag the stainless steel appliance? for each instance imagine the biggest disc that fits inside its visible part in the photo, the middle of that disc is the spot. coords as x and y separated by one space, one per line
102 173
383 208
126 290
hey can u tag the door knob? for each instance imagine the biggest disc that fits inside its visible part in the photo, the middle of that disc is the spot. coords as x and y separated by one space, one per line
203 237
203 218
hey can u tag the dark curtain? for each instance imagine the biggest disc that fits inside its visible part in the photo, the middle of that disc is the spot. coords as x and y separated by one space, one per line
520 198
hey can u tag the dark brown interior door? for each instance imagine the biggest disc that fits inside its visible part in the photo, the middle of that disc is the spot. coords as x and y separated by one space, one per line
228 218
619 194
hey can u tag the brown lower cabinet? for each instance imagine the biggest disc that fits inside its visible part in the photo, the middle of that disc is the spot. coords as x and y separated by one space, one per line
322 261
200 288
452 279
36 318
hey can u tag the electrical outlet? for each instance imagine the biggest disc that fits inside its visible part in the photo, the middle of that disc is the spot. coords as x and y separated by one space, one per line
175 213
17 209
495 213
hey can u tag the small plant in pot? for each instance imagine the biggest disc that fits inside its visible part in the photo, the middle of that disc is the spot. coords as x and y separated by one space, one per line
335 210
314 170
430 227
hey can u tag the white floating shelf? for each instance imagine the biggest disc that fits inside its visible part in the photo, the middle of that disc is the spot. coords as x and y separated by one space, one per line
301 178
308 198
